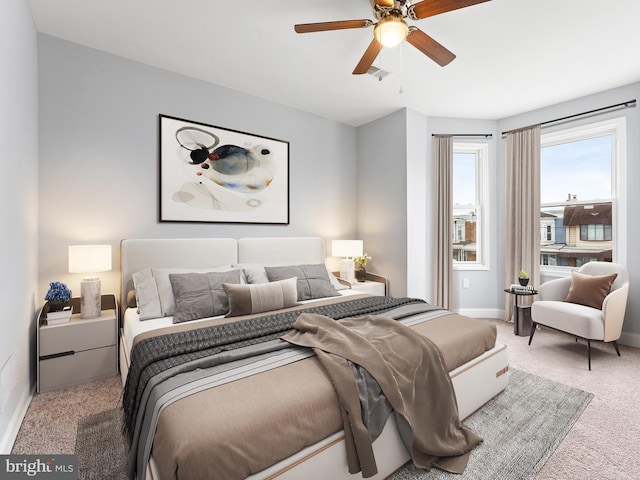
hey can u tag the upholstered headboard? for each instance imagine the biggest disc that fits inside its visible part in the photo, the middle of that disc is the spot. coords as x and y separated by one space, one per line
138 254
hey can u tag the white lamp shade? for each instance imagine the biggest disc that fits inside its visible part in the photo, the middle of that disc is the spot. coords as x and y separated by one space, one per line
89 258
346 248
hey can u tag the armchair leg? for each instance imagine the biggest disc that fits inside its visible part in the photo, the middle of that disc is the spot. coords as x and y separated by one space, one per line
533 330
615 344
589 352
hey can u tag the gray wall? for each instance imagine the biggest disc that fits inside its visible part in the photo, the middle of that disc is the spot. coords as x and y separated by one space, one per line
18 213
420 191
382 197
99 158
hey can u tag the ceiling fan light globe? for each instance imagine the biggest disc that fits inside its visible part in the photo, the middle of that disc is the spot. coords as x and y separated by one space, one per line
391 31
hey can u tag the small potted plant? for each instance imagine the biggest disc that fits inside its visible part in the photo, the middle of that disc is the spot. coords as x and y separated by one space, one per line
361 266
57 296
523 278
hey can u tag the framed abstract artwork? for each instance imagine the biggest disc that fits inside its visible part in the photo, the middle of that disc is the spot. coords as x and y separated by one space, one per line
214 174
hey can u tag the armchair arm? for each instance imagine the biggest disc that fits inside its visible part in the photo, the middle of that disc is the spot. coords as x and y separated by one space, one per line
613 308
556 290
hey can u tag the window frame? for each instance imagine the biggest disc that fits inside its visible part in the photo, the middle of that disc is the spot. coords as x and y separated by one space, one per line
617 128
481 151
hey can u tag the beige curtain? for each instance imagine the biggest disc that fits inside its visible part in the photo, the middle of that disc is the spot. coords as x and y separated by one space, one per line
443 154
523 209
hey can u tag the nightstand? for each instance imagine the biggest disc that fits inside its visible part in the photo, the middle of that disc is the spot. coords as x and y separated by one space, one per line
373 284
78 351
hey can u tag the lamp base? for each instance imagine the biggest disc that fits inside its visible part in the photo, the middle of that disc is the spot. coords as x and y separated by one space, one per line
90 298
347 270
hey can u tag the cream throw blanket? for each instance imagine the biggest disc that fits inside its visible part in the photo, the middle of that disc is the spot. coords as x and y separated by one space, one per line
412 375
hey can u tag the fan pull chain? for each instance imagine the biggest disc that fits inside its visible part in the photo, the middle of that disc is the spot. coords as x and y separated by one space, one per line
400 90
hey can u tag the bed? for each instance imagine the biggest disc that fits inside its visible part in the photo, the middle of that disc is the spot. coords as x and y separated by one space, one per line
477 372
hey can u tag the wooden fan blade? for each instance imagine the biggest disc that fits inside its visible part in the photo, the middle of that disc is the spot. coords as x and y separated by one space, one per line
429 8
367 59
427 45
325 26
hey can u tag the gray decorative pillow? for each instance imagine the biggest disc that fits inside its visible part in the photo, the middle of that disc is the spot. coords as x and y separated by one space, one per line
313 280
261 297
200 295
253 272
165 290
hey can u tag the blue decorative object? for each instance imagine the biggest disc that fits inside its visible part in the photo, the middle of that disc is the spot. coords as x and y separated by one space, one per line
57 296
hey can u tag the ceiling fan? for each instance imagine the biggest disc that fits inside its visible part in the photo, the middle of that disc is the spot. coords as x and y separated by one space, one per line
391 28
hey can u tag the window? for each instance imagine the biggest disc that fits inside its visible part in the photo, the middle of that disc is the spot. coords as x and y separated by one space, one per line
470 219
595 232
582 195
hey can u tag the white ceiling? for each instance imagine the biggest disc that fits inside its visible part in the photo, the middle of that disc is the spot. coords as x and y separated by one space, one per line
512 55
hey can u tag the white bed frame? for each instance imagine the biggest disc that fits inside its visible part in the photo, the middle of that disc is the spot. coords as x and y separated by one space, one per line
475 382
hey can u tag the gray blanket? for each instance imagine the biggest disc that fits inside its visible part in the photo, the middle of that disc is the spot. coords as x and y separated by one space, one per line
410 371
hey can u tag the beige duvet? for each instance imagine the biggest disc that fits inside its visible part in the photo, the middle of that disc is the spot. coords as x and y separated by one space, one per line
240 428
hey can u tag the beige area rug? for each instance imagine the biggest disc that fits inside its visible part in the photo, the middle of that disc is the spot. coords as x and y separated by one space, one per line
521 428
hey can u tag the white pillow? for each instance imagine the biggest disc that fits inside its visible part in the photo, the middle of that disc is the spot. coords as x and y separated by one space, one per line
147 297
335 282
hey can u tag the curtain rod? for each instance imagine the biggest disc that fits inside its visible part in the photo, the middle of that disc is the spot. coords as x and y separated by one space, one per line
486 135
617 105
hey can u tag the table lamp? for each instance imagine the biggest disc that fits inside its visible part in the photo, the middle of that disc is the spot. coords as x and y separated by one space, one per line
347 249
90 259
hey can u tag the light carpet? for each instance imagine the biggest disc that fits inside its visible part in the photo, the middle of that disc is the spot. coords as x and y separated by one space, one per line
521 428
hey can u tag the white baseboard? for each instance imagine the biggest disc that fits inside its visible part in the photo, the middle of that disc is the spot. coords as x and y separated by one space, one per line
10 435
627 338
630 339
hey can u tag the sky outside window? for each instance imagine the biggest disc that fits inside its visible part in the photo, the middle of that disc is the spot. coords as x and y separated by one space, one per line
581 168
464 179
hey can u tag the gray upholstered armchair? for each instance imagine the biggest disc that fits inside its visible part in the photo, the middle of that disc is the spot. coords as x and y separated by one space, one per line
590 304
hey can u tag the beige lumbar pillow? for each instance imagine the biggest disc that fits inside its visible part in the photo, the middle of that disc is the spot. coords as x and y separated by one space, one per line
590 290
261 297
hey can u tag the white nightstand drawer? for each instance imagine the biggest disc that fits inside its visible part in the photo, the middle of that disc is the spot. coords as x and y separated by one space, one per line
374 288
77 368
78 335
